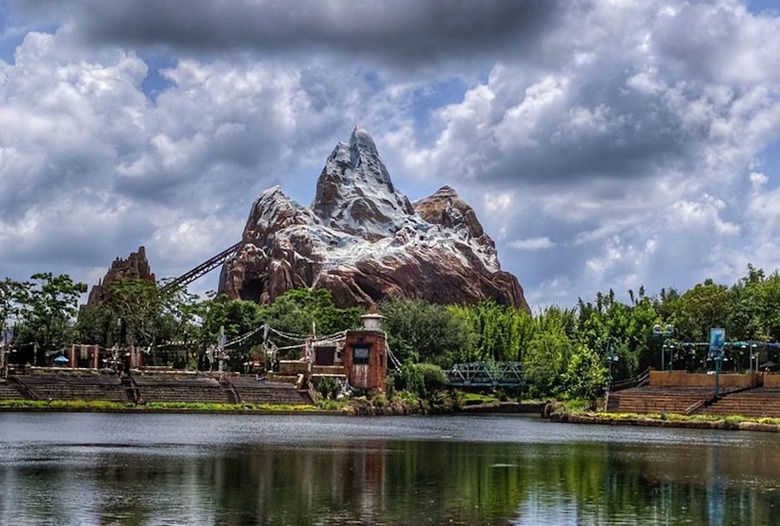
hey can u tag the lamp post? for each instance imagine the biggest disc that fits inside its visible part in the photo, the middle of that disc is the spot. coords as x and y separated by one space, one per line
8 335
717 347
664 333
753 355
611 357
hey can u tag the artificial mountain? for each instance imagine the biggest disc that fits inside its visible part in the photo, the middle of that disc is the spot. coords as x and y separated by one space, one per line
364 240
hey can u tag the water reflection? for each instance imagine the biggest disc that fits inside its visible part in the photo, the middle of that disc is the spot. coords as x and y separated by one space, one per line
149 473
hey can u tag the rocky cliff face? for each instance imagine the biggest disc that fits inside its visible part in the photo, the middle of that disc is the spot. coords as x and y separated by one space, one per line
136 266
364 240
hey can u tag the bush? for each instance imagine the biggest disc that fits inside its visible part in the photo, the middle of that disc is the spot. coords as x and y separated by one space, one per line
327 387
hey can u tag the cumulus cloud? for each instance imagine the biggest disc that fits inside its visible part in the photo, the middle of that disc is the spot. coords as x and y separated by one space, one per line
533 243
399 33
630 145
603 144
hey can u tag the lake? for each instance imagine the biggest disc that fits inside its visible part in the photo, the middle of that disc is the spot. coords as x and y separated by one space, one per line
73 468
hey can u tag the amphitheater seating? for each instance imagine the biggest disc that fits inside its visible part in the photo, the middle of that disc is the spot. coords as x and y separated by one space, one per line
175 388
99 387
250 390
758 402
9 391
650 399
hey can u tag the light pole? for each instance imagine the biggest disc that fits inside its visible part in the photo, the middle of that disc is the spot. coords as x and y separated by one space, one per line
8 335
611 357
717 347
753 354
662 334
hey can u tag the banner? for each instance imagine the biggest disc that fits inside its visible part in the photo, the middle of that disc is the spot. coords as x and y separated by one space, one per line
717 343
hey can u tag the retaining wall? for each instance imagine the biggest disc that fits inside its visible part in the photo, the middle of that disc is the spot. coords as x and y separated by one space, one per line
685 379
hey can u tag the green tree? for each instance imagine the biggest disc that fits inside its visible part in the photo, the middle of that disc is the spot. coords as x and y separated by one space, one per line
496 332
301 310
237 317
704 306
48 314
418 331
547 355
13 297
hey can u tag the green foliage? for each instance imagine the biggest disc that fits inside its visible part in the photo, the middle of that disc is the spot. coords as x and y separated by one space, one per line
563 351
704 306
495 332
420 379
48 305
13 297
327 387
547 354
301 310
425 332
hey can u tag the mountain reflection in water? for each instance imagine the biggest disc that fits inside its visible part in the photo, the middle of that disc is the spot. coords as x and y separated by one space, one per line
234 469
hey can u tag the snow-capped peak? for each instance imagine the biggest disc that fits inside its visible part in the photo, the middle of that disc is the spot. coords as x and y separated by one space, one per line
355 193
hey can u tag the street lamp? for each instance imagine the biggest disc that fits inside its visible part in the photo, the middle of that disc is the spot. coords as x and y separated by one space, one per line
8 335
753 355
664 333
611 357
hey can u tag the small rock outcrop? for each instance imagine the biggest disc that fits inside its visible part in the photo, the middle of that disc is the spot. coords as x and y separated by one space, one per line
136 266
364 240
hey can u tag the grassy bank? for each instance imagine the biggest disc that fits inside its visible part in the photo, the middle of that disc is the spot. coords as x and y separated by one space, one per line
400 403
151 407
558 412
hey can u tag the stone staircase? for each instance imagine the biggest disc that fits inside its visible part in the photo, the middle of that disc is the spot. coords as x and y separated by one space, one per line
10 391
652 399
87 388
757 402
165 388
262 392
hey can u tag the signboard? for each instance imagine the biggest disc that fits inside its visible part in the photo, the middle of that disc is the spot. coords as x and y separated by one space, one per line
717 343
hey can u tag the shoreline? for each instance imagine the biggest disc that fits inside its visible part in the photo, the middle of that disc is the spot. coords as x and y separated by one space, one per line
359 408
726 423
666 420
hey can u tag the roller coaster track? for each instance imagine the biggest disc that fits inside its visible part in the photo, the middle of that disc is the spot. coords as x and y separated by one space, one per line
202 269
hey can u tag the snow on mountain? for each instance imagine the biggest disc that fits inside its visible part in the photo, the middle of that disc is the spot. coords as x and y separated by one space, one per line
364 240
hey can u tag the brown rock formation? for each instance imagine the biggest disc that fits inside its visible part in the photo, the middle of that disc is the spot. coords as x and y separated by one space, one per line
363 240
136 266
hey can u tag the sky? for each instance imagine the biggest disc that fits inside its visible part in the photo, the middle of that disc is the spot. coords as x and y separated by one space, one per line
603 143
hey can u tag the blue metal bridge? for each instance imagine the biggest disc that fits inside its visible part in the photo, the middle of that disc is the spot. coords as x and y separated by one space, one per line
487 374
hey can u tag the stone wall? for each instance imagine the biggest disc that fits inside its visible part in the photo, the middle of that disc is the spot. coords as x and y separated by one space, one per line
686 379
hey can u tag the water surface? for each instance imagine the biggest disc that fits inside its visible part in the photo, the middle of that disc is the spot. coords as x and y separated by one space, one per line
237 469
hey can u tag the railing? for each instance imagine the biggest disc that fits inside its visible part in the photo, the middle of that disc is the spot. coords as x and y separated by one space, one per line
487 374
637 381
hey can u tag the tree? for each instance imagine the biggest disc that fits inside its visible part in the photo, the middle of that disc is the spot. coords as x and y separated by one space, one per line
298 311
548 353
704 306
13 296
418 331
496 332
48 314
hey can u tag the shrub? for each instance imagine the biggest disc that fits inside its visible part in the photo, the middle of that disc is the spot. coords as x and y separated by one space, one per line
327 387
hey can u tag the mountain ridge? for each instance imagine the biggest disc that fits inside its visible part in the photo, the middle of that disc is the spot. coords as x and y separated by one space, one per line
364 240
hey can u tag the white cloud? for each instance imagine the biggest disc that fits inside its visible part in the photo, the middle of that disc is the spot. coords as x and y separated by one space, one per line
628 132
533 243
